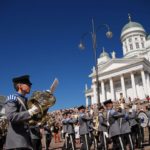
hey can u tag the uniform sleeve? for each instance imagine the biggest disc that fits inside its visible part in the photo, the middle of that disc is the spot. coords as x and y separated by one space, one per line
85 117
116 114
101 120
11 108
71 121
64 121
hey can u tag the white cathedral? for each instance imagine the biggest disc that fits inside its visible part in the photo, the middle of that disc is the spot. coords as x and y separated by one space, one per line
129 75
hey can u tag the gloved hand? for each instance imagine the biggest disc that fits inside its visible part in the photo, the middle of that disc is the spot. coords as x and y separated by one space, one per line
34 110
142 119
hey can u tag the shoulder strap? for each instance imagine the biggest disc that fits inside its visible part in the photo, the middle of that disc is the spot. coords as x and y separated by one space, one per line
21 102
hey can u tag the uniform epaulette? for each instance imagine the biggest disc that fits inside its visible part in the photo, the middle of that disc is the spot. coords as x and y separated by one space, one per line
11 98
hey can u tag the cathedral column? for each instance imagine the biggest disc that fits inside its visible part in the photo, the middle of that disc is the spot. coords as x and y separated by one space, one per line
133 85
112 89
103 90
144 82
87 101
94 93
148 83
123 86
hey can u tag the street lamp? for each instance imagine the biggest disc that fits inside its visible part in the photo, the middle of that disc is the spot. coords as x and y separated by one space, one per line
94 46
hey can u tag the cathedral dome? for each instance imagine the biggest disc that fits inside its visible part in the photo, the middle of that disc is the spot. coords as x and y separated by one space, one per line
104 54
132 24
104 57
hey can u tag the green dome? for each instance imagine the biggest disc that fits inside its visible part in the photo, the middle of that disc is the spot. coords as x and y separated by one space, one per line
103 54
148 37
131 24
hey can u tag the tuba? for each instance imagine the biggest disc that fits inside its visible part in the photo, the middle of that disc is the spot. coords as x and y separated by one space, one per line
43 100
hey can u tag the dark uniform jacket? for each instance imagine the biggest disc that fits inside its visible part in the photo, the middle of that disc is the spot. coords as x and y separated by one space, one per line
132 118
70 125
102 123
124 123
83 122
114 126
35 132
18 135
64 123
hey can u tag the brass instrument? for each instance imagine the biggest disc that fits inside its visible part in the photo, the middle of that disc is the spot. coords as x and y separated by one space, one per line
43 100
96 125
3 127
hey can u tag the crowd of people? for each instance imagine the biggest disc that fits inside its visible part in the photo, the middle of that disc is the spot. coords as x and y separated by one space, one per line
111 125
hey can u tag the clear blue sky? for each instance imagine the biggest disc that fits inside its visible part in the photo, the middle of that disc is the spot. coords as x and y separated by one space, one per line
41 38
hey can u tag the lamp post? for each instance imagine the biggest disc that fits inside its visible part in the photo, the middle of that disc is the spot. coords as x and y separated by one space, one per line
94 47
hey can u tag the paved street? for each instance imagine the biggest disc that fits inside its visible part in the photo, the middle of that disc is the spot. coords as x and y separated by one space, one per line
58 146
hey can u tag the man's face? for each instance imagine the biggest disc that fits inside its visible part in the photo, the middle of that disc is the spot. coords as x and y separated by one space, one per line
24 88
109 105
82 110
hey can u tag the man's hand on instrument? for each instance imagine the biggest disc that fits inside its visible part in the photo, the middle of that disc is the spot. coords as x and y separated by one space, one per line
34 110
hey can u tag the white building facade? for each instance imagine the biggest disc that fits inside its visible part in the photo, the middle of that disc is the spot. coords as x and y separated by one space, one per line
129 75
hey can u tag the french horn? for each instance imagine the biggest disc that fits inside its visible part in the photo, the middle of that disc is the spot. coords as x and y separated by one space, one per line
43 100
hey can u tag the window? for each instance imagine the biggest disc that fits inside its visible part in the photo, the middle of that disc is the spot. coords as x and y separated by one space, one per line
142 45
130 39
126 48
141 39
131 47
137 45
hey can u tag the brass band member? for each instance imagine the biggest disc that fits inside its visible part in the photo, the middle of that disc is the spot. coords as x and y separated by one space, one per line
113 123
83 128
18 136
70 131
103 128
148 114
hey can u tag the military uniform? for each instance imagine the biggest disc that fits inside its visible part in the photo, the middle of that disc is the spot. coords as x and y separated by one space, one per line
71 133
64 128
84 130
48 136
135 130
102 128
148 115
126 129
114 127
18 135
36 137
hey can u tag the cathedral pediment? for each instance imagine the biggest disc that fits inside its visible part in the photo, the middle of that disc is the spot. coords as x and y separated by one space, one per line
117 63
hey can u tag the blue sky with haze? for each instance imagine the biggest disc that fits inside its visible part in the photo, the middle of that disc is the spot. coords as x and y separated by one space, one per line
41 38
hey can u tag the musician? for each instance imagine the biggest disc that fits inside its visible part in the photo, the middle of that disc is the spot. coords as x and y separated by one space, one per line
125 128
64 129
113 123
91 124
83 128
18 136
148 115
135 130
36 137
70 131
48 135
102 128
64 124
